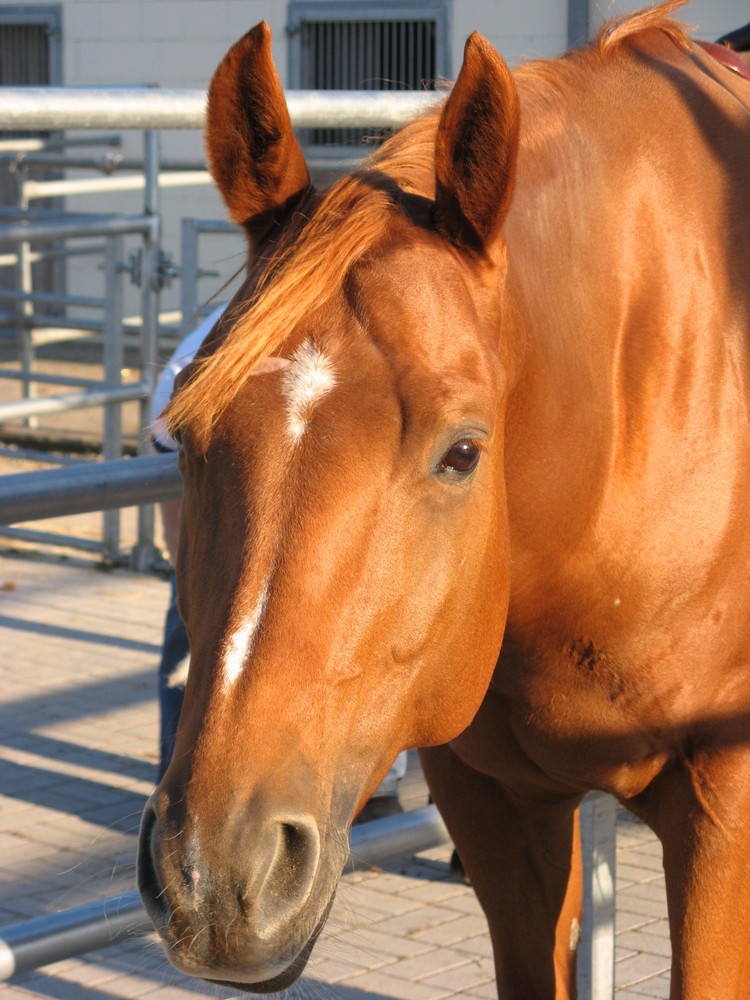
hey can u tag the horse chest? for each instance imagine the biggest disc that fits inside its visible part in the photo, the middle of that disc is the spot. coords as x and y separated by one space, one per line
582 714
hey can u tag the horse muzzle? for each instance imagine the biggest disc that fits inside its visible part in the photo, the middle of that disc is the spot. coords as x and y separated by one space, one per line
247 912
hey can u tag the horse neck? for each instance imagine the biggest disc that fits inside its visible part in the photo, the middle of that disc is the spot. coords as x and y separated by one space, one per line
570 289
563 330
624 304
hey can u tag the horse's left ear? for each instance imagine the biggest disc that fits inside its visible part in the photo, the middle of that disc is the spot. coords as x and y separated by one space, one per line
476 149
254 156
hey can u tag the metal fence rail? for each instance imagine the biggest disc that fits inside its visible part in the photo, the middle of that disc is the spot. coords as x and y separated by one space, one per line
30 109
89 486
144 109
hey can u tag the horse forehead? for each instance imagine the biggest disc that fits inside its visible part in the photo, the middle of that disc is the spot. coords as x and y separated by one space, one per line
420 280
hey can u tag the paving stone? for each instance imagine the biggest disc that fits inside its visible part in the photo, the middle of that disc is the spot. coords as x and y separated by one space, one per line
454 931
652 944
415 921
479 945
390 986
482 991
651 907
638 967
475 973
429 963
331 970
361 896
437 892
372 941
656 987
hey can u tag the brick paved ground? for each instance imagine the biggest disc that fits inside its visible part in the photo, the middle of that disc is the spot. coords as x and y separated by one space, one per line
77 758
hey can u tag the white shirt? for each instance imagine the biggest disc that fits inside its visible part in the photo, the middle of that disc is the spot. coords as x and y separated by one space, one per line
181 358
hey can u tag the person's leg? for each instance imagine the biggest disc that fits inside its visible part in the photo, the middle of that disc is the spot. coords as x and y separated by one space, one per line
384 800
388 787
172 676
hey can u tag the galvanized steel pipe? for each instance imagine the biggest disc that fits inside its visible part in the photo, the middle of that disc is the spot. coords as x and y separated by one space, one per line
37 405
107 185
90 486
70 227
29 109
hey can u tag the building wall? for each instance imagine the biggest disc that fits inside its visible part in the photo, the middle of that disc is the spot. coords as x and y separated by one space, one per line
534 28
177 43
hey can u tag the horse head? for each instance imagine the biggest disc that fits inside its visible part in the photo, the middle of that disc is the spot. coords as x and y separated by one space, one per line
343 567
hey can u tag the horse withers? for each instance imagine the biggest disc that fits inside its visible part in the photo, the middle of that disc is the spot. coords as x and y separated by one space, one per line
466 468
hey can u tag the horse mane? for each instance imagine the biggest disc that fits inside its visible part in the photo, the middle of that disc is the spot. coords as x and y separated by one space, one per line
619 29
349 220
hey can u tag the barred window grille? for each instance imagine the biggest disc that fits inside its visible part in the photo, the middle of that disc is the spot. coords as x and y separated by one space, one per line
30 56
356 46
24 55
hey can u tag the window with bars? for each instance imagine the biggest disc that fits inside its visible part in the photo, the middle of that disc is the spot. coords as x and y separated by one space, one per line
29 45
24 55
30 56
364 46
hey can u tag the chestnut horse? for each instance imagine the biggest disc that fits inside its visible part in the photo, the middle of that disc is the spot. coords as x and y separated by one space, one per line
467 468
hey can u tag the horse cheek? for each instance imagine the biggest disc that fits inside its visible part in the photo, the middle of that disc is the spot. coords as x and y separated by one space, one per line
471 636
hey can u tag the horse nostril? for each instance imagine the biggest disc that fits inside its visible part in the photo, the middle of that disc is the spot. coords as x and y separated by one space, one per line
290 878
295 839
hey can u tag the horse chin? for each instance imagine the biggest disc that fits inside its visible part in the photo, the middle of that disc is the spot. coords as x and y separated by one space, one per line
284 979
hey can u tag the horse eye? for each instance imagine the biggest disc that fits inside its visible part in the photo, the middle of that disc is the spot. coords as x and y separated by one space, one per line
462 457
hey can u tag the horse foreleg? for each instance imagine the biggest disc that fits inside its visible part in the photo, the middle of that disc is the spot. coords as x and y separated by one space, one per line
523 859
700 809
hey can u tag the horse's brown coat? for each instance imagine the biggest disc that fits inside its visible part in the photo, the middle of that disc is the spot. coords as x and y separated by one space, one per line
566 295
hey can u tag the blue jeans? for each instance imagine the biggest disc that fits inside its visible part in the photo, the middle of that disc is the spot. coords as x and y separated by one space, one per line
174 651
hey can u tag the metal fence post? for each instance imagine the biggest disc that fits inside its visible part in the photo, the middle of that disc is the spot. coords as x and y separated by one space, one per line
25 309
596 953
113 363
144 553
188 274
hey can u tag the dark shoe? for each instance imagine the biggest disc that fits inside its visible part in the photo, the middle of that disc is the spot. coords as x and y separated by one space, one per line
379 807
458 870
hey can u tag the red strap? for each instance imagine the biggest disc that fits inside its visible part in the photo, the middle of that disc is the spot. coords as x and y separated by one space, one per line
727 57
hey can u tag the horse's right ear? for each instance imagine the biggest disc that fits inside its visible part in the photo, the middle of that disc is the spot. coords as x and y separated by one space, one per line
252 151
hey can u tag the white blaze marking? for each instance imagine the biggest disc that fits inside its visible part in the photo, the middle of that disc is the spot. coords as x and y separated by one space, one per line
307 379
240 645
